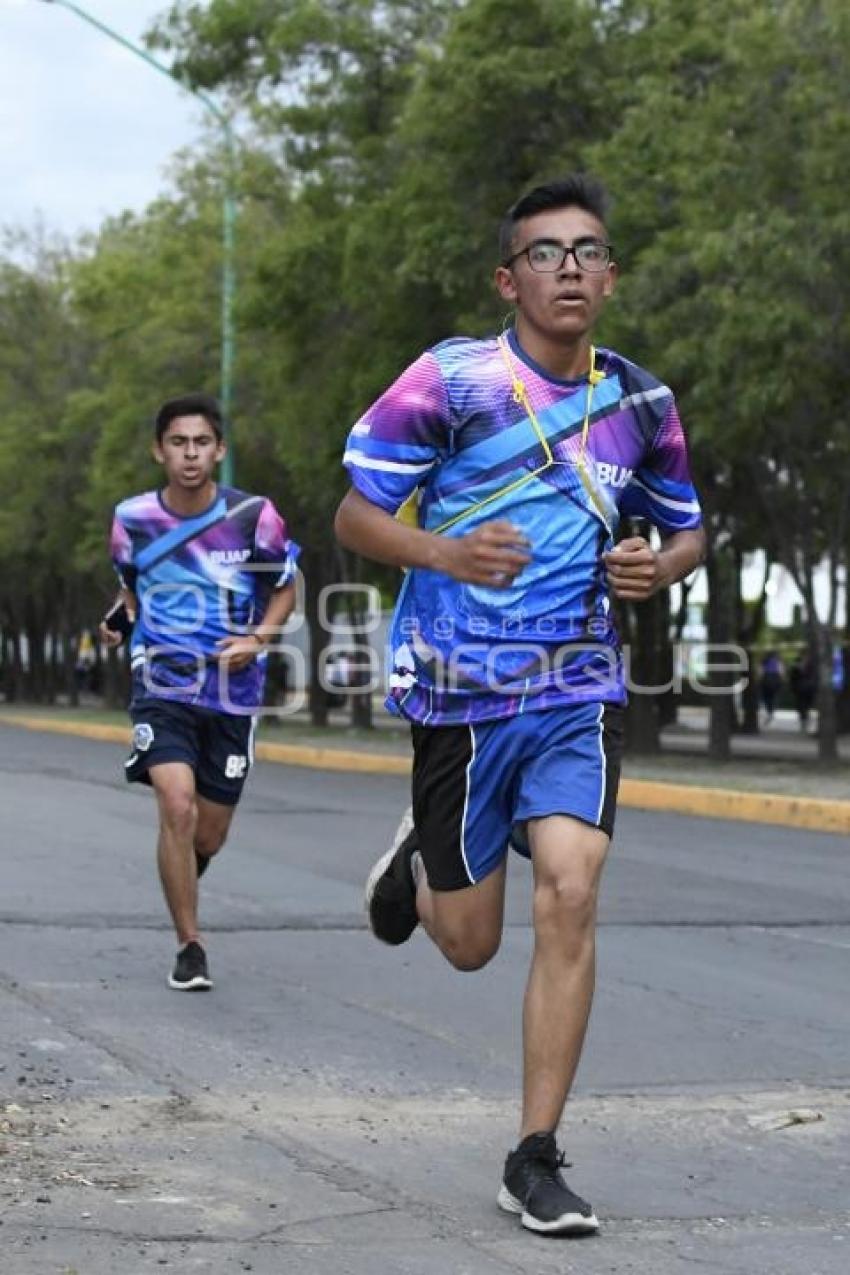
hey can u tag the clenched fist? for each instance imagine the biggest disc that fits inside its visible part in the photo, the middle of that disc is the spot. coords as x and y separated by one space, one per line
634 570
493 555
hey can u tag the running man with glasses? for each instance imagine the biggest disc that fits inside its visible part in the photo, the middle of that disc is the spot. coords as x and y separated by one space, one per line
526 449
207 578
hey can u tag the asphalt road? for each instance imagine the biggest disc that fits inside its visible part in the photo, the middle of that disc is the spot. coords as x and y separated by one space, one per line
335 1106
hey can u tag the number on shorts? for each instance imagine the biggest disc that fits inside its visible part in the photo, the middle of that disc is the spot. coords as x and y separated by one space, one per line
235 766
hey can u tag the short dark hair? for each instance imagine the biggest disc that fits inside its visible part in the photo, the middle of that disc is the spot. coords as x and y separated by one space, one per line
197 404
576 190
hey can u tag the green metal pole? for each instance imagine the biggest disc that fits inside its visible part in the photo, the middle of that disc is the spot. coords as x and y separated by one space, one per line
228 270
228 296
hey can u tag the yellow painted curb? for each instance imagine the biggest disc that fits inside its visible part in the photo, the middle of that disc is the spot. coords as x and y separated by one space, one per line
283 754
814 814
334 759
84 730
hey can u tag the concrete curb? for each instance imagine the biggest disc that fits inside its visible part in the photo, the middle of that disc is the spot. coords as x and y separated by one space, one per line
813 814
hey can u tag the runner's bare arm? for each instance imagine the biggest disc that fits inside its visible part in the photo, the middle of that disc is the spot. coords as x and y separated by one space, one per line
636 570
280 608
493 554
239 650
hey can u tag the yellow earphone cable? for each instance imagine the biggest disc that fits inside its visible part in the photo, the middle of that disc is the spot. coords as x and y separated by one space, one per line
520 396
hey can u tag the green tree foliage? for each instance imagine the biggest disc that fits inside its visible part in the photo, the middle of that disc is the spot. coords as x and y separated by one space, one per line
148 293
734 290
44 359
510 98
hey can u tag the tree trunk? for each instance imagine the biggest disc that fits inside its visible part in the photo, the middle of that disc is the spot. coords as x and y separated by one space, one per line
750 697
70 649
17 689
361 709
317 574
721 620
360 697
36 663
642 719
749 629
827 717
6 654
97 672
664 660
54 667
70 638
115 679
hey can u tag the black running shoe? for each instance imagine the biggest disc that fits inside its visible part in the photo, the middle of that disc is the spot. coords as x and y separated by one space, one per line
190 973
390 895
534 1187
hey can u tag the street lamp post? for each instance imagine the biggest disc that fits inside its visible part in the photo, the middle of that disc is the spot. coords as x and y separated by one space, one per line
228 219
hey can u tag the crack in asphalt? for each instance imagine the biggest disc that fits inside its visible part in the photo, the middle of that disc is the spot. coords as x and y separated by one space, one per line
265 805
616 1226
201 1237
342 923
386 1195
179 1094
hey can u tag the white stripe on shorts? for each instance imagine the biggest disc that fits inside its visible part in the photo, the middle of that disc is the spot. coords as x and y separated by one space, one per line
466 805
601 724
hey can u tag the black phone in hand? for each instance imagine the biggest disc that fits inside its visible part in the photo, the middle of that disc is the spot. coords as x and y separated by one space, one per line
118 620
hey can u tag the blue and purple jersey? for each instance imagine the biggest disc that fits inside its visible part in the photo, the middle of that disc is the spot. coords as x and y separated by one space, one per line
197 580
452 429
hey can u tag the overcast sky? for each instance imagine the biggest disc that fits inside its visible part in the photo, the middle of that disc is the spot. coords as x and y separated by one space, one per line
86 128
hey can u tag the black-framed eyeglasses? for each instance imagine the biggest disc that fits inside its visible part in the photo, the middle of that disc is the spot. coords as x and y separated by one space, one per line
547 256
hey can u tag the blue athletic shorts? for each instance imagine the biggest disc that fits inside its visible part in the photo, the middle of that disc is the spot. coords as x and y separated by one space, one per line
219 747
475 786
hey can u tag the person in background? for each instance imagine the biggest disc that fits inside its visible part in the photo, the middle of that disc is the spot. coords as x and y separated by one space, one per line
802 680
770 682
207 579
